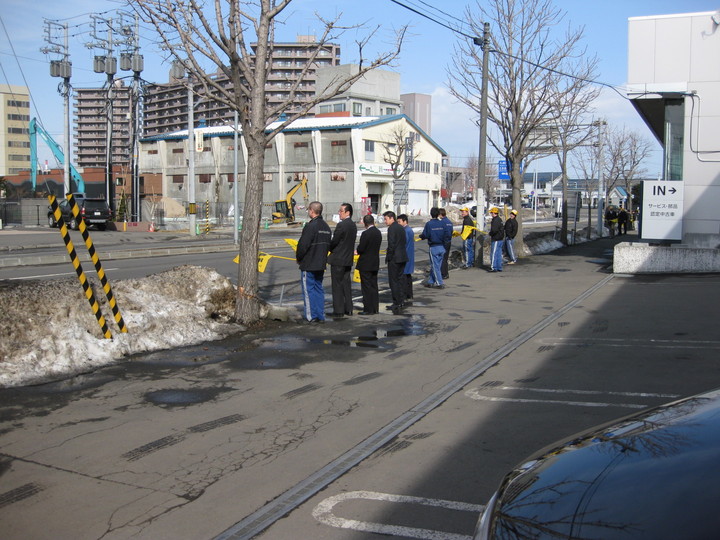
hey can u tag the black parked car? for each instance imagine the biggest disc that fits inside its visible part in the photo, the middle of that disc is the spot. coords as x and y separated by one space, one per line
92 211
653 475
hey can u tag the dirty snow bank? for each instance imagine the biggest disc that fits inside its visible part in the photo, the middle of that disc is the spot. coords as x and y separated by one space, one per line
48 331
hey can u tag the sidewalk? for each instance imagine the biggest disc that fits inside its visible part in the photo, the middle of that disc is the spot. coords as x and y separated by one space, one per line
187 443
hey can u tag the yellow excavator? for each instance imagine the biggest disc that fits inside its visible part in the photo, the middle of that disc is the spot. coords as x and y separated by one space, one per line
285 208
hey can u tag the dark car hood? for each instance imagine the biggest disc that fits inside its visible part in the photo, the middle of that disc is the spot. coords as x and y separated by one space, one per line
653 475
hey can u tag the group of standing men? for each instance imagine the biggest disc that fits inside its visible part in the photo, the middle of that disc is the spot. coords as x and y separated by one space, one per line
319 246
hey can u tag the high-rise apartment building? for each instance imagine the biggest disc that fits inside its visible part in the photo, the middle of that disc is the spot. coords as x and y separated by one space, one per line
14 133
91 114
165 107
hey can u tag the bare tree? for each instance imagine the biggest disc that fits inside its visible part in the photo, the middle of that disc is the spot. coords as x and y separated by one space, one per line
584 162
398 150
577 95
201 34
625 153
525 59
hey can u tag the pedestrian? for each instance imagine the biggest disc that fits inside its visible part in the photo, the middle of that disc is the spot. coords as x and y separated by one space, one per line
511 229
410 264
468 236
434 233
368 264
622 219
311 256
611 218
342 249
395 258
497 235
448 242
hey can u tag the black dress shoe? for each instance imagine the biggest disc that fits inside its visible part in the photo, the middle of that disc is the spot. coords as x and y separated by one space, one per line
391 307
367 312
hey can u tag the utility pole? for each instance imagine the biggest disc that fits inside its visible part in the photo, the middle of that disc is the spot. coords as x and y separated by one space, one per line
132 60
482 153
601 180
61 68
107 64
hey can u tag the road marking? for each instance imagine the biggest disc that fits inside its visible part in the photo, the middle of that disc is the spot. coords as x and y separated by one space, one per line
323 513
51 275
474 393
616 342
588 392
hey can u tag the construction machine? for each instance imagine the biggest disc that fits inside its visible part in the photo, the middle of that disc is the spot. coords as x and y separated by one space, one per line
285 208
35 130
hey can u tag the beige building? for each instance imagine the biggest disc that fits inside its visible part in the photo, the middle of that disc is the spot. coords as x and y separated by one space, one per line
14 132
345 159
377 93
91 106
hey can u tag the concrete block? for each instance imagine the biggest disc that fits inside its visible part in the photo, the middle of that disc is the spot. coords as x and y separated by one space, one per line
641 258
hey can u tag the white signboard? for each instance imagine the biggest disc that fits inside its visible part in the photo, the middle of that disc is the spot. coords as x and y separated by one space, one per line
662 210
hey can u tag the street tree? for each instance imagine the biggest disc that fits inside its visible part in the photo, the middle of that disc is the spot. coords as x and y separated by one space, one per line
235 38
526 54
569 128
626 151
400 155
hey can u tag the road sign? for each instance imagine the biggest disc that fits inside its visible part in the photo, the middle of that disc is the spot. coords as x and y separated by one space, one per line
662 210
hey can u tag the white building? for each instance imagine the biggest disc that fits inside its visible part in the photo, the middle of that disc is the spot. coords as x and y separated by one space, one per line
345 159
674 82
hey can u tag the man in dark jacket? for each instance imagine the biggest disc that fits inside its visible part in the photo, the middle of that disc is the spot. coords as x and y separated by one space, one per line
342 249
402 219
368 264
497 235
311 256
395 258
511 230
448 242
468 236
434 233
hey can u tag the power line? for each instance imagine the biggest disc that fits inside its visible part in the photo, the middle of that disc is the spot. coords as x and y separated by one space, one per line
476 38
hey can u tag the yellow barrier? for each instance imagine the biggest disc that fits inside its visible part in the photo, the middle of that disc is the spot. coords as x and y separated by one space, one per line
98 266
78 267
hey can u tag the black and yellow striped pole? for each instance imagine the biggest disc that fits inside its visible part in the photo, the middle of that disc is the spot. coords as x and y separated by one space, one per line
98 266
78 267
207 216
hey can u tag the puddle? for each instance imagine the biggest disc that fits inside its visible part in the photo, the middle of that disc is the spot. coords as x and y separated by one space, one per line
178 397
184 357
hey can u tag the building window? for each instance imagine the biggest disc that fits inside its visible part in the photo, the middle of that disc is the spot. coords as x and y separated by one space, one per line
390 110
178 151
674 138
337 177
324 109
368 111
178 179
370 150
357 109
152 152
205 178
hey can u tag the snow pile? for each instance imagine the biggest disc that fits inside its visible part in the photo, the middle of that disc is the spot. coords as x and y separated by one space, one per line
48 331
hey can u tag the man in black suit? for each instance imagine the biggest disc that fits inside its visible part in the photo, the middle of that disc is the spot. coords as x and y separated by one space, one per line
368 265
395 258
342 249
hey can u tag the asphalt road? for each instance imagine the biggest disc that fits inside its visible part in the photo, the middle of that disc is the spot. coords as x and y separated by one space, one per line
363 428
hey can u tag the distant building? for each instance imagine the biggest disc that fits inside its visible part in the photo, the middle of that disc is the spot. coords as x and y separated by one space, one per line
14 133
344 160
91 110
166 105
674 84
418 107
377 93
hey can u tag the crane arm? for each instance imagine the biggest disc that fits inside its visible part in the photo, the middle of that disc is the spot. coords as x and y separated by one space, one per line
36 129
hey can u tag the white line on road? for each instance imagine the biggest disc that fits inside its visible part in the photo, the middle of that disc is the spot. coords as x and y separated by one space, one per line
588 392
53 275
474 393
323 513
621 342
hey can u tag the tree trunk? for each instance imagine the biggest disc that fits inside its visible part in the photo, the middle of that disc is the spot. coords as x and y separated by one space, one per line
247 307
517 186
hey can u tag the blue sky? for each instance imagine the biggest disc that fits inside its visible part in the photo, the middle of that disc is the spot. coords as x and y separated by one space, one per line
423 63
